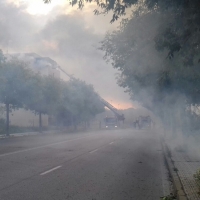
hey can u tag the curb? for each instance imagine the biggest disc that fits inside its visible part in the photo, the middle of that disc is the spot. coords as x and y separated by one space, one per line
52 132
16 135
178 187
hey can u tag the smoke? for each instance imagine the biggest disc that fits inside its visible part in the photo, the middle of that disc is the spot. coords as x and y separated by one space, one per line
152 78
68 36
17 27
72 37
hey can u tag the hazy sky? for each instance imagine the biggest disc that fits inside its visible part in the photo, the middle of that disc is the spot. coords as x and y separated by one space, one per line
67 35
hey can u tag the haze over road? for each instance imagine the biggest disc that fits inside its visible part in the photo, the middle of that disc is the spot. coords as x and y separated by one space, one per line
102 165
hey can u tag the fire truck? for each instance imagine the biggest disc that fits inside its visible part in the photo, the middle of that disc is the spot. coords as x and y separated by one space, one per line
111 122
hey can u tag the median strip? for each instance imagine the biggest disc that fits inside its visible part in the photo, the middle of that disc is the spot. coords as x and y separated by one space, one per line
48 171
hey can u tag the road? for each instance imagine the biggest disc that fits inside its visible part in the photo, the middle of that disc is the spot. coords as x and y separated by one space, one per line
102 165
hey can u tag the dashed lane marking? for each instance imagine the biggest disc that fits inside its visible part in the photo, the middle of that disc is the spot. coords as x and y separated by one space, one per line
94 151
48 171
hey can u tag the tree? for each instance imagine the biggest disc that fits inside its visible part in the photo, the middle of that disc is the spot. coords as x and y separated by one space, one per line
161 82
43 95
79 103
131 50
185 8
23 88
13 77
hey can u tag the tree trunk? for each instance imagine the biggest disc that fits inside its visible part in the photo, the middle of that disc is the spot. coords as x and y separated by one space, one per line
7 119
40 122
74 123
88 124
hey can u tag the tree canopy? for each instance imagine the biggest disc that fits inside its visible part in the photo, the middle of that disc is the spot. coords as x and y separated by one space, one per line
157 53
23 88
13 76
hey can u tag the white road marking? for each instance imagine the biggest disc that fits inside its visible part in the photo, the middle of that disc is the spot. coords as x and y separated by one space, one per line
93 151
48 171
40 147
111 143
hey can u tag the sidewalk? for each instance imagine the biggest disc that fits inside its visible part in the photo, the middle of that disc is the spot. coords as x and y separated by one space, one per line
183 166
186 166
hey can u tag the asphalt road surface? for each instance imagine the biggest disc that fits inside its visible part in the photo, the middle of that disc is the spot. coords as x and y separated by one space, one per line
102 165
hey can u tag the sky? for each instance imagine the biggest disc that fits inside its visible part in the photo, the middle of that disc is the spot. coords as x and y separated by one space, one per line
66 34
